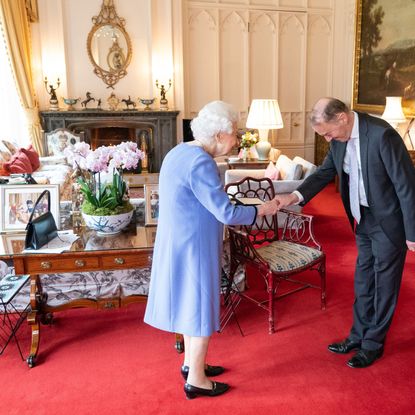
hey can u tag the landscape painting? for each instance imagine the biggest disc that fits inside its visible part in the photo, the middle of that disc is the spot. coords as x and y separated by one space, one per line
384 54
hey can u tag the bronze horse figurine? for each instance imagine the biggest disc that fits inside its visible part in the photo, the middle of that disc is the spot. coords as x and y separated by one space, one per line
89 98
129 102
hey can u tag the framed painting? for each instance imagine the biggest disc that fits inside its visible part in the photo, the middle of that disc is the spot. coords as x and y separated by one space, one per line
151 193
384 55
17 202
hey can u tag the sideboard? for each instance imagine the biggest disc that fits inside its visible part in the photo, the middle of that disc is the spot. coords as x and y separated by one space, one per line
154 131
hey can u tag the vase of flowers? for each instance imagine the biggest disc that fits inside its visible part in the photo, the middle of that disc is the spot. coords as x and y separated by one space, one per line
248 140
106 207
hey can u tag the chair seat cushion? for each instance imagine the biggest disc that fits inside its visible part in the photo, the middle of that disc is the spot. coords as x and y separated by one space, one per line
284 256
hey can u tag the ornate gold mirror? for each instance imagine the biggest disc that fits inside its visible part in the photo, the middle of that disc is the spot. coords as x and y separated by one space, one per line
108 44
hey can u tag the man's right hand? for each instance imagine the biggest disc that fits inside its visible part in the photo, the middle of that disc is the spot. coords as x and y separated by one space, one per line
286 200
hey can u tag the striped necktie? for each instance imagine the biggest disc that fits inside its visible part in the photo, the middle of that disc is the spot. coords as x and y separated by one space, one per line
354 180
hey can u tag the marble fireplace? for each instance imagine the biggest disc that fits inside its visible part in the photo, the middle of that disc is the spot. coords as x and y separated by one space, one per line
153 131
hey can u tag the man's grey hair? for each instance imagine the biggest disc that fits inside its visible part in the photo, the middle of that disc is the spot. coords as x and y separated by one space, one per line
328 113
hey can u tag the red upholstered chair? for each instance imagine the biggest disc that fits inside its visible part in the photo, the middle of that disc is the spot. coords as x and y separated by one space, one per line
275 258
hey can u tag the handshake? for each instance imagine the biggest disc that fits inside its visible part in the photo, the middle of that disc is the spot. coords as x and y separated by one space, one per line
279 202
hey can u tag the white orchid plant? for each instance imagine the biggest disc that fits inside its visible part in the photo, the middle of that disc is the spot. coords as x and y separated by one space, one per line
103 198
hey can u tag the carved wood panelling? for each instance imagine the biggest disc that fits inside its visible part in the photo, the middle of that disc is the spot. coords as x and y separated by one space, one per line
291 61
262 58
233 67
202 49
318 77
239 50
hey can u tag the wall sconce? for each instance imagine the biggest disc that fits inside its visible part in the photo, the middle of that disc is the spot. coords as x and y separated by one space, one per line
163 92
53 100
393 112
264 115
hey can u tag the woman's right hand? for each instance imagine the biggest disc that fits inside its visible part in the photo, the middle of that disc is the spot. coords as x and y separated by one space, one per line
268 208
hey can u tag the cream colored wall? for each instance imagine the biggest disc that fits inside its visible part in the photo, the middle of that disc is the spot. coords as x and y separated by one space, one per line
60 48
160 41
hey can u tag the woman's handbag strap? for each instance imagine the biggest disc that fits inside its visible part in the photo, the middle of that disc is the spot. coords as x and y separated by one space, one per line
45 192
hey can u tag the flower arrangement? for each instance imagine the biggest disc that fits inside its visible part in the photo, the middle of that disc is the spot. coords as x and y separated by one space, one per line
100 196
248 140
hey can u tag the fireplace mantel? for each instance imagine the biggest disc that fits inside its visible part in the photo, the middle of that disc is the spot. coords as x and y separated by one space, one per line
160 124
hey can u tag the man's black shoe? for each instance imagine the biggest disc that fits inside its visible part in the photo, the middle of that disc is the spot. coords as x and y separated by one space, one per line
364 358
344 347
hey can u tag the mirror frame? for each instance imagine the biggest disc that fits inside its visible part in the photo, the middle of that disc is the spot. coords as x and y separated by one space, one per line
108 16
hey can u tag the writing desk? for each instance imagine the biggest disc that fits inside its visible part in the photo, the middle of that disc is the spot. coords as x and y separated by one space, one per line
131 248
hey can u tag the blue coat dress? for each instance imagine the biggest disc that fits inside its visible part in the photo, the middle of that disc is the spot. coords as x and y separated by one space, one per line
184 291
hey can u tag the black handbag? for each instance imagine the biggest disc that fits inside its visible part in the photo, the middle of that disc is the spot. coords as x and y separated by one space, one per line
41 230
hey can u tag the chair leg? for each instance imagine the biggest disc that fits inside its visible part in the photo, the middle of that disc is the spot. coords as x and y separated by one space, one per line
271 325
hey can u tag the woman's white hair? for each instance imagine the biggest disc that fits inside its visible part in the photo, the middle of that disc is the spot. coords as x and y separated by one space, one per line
213 118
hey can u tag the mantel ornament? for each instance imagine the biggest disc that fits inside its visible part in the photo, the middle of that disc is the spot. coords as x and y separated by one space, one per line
109 46
88 99
53 100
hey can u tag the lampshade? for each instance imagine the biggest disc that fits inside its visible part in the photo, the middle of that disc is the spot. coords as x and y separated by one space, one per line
264 114
393 112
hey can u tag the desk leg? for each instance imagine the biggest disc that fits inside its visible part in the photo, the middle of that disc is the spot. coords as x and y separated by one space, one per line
33 318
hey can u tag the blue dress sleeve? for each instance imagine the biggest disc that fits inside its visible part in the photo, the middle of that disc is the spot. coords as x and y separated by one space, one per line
206 185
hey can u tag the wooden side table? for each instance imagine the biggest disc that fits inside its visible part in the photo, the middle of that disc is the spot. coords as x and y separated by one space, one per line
247 164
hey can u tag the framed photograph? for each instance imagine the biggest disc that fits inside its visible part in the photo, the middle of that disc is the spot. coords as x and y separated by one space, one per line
17 202
384 55
151 193
13 243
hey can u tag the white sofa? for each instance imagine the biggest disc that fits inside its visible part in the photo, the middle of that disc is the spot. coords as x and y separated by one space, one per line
55 170
292 173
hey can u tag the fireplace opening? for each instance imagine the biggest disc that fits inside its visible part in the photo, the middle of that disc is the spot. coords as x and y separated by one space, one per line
111 136
99 134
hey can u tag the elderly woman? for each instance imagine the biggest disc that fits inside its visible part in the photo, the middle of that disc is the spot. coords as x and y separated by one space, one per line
184 295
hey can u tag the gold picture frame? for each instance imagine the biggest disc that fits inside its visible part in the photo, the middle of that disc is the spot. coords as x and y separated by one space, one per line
384 55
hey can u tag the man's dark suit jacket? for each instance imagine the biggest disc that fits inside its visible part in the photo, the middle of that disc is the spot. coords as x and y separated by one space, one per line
388 176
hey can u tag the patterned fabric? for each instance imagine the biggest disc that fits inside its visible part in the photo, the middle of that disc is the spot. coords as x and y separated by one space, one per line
57 141
57 174
285 256
62 288
10 285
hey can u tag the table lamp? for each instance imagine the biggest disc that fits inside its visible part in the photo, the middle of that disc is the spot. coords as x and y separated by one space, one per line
393 112
264 115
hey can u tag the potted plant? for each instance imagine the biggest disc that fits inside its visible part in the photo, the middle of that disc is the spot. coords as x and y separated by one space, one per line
106 207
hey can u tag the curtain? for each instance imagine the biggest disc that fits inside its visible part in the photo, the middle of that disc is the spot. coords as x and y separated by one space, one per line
15 21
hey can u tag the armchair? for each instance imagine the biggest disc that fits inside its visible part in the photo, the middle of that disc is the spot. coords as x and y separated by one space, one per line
276 259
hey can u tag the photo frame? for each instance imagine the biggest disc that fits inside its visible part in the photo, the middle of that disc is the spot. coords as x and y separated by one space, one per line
384 55
17 204
13 243
151 193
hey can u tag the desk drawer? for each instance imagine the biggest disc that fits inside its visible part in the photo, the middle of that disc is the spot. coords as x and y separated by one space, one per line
56 265
124 261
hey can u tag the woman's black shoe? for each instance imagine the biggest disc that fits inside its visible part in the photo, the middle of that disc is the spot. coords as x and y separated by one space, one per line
209 371
193 391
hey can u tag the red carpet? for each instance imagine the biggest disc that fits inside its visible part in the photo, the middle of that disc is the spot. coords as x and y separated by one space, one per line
110 362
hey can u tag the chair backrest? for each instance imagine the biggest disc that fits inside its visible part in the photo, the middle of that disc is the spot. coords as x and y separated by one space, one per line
298 228
265 228
56 141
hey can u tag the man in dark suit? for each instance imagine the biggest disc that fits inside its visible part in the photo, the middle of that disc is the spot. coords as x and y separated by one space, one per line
377 187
